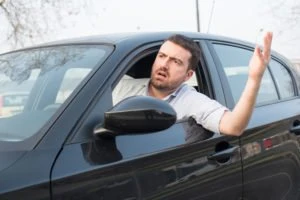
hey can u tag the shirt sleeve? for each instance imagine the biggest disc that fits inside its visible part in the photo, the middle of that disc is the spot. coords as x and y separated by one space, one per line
204 110
211 117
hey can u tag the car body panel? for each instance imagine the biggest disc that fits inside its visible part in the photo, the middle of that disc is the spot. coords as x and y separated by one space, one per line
28 177
113 169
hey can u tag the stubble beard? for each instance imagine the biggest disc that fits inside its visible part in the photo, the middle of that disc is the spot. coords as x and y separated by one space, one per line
163 86
159 86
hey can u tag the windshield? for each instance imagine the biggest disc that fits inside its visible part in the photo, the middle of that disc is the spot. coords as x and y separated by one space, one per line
35 83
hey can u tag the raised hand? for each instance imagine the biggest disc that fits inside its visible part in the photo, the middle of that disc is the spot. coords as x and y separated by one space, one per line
260 58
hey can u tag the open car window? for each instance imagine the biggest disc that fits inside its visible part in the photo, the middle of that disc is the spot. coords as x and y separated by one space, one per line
35 83
135 81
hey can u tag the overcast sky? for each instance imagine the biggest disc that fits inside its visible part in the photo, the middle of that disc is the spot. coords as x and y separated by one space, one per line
234 18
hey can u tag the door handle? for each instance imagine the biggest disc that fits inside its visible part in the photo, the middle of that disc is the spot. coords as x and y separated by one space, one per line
295 130
225 154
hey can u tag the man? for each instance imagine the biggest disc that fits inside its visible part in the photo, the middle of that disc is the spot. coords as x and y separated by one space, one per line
175 63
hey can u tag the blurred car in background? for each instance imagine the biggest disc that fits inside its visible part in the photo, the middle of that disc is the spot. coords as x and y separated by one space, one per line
12 103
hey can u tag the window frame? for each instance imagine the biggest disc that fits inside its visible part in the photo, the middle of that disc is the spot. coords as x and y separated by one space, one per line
147 50
294 85
223 77
202 76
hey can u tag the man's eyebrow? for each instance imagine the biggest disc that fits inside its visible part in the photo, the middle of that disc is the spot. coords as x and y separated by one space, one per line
177 59
172 58
160 52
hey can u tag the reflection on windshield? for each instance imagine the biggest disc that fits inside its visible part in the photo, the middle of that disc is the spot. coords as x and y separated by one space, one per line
34 84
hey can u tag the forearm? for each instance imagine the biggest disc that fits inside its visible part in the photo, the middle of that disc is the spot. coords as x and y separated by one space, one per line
234 122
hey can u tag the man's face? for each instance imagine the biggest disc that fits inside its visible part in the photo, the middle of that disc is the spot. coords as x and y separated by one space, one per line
170 68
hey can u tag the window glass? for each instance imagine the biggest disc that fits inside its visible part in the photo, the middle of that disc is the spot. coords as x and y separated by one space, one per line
283 80
13 96
34 84
267 91
70 81
235 62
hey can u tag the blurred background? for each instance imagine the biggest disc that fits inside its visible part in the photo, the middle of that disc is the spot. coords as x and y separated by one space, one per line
26 23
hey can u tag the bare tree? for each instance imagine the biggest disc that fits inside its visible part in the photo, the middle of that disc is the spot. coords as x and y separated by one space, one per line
286 14
31 21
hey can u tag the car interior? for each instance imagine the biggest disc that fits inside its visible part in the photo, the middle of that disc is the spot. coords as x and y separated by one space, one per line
137 77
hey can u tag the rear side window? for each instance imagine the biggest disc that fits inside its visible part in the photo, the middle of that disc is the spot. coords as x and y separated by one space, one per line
282 79
235 61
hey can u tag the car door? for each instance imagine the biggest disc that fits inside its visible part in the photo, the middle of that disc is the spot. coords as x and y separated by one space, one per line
270 145
151 165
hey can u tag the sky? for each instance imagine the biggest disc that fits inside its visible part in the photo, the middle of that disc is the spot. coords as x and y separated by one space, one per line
234 18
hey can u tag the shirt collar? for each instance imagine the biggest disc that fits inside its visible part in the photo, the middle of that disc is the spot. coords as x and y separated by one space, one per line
174 94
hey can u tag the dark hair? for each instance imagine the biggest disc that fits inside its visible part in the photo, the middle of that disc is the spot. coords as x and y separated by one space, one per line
189 45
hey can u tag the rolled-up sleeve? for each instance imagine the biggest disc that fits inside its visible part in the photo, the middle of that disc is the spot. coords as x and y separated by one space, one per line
206 111
211 117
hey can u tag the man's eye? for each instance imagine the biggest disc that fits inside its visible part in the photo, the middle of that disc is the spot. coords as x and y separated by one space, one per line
177 62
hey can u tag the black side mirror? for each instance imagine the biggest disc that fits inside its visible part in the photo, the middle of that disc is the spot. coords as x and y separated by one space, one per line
138 114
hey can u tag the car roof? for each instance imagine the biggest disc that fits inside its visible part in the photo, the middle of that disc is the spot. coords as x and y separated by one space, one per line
137 38
116 38
134 37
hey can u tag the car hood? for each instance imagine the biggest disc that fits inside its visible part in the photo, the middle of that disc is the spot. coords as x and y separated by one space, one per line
7 158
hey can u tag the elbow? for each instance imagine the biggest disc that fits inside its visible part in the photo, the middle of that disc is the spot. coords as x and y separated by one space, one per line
236 132
231 125
233 131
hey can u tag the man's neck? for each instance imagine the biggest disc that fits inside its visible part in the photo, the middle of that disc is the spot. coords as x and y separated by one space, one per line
160 94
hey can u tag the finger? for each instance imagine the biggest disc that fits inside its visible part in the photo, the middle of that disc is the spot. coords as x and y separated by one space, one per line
267 46
257 52
267 40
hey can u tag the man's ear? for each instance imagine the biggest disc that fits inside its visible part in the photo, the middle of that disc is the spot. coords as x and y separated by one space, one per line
189 74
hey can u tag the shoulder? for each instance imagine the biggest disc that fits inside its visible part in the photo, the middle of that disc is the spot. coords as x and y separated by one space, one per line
190 92
187 96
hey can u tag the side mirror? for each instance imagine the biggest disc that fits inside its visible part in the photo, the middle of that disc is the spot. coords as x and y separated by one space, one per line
137 114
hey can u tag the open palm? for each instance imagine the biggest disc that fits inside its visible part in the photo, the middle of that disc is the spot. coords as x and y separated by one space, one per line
260 58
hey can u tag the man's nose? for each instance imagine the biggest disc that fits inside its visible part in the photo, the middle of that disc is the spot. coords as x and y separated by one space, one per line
165 63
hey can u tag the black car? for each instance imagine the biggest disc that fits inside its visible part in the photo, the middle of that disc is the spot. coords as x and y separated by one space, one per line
76 138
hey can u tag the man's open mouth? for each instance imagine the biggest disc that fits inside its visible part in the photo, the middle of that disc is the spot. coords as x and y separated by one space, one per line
162 74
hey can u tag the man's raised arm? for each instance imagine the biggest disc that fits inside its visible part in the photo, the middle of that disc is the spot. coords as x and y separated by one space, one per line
234 122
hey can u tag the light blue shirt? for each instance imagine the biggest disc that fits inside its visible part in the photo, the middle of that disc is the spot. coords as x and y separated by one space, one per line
186 101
